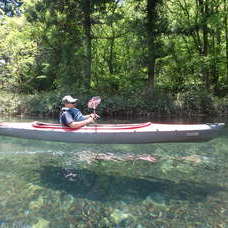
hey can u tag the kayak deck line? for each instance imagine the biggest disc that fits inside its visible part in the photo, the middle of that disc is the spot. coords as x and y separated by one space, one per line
93 127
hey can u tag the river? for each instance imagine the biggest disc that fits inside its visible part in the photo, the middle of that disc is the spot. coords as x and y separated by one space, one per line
57 185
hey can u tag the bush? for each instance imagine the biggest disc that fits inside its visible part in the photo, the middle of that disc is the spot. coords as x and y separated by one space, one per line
159 102
137 104
196 102
134 104
221 105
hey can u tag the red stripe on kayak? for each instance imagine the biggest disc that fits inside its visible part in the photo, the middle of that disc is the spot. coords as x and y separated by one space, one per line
125 127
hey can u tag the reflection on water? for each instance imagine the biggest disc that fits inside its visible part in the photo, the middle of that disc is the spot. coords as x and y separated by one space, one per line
50 184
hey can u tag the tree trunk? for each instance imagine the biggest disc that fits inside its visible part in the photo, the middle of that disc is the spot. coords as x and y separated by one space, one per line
203 7
87 42
151 58
110 58
226 38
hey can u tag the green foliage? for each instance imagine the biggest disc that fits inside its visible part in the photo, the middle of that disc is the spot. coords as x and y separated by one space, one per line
197 32
221 105
10 8
196 101
131 105
109 48
58 35
136 104
18 52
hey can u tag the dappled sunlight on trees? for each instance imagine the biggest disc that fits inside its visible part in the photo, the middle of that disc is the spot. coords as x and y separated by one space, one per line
114 47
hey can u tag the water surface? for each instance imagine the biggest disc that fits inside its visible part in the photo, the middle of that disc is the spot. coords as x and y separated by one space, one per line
51 184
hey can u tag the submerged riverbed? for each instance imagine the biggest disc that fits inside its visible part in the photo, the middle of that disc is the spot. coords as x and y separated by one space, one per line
51 184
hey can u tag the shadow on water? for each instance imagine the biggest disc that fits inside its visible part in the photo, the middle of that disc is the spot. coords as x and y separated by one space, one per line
87 184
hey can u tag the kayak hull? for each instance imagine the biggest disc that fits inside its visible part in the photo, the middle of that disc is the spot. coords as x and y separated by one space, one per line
114 134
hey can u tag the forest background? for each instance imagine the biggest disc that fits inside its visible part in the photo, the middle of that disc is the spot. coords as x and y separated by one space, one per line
142 57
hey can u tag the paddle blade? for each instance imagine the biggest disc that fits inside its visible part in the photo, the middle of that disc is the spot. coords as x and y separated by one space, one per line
94 102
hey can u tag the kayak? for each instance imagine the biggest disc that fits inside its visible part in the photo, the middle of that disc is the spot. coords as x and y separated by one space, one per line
113 133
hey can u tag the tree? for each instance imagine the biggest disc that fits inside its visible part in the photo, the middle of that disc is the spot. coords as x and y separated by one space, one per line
197 30
11 7
17 52
226 37
153 32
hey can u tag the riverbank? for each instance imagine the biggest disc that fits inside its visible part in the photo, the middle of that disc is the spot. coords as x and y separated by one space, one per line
121 105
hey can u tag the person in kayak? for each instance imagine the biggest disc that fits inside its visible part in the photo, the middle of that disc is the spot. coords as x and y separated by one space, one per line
72 117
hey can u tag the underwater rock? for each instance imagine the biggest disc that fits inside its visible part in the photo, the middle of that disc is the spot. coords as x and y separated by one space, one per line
32 188
166 166
156 198
185 168
36 204
118 216
67 203
42 223
105 222
139 226
193 158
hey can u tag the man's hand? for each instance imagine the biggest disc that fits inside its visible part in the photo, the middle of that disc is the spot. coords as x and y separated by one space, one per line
94 116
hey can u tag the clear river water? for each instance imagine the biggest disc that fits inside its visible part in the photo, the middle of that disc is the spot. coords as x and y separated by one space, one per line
62 185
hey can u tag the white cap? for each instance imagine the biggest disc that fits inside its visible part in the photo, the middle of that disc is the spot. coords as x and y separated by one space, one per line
69 99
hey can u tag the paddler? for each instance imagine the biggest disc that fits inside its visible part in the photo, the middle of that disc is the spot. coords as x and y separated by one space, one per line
72 117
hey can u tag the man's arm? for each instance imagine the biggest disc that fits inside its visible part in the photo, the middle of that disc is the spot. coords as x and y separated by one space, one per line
81 123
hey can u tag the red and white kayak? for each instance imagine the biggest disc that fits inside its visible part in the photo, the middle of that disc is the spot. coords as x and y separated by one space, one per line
113 133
